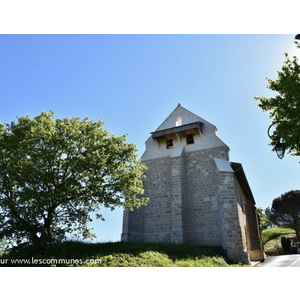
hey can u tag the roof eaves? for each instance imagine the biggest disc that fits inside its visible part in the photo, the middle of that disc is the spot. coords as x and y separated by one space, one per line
242 179
161 133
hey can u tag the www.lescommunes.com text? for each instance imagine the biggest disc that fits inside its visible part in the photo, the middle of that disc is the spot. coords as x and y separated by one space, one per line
48 261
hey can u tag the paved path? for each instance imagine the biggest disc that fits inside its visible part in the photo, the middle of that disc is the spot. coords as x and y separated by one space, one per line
282 261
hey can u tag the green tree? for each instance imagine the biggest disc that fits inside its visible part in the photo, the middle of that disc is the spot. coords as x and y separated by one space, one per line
263 218
284 107
3 246
54 173
285 211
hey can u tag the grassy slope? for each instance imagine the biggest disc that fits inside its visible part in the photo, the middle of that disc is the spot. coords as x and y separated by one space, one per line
132 254
138 254
271 238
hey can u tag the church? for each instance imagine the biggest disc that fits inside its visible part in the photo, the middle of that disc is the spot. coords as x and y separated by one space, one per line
196 194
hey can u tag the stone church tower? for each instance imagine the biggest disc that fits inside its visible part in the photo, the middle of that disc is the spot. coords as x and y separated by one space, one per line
197 196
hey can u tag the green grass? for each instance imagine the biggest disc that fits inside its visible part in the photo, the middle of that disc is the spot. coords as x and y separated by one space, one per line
271 238
272 233
123 254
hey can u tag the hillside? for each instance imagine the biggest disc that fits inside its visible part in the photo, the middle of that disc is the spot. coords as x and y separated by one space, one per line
271 238
119 254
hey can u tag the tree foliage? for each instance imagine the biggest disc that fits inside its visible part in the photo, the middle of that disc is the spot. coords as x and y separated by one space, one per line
284 107
263 218
54 173
285 211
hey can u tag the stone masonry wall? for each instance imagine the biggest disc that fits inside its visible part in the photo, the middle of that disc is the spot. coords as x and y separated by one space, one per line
190 202
177 192
241 202
157 213
133 225
183 204
200 209
231 232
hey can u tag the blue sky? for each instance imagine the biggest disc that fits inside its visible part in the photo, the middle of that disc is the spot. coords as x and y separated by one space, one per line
133 82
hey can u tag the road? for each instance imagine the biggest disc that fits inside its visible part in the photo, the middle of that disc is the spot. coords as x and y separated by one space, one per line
282 261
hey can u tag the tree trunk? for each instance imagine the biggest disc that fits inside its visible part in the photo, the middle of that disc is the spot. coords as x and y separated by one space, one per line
297 227
297 234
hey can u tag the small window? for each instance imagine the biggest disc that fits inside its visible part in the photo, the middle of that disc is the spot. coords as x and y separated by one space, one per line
178 121
169 143
190 139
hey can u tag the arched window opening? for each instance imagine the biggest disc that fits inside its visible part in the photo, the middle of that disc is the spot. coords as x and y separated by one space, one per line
189 134
169 144
178 121
169 140
190 139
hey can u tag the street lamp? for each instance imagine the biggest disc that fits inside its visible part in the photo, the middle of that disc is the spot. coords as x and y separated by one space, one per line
279 147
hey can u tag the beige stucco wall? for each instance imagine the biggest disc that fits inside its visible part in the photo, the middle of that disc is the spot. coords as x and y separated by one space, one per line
241 200
249 225
205 140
